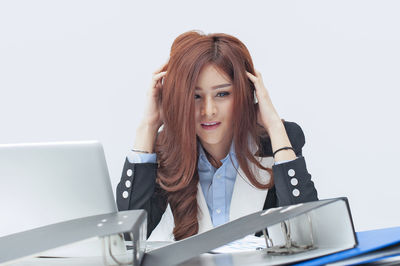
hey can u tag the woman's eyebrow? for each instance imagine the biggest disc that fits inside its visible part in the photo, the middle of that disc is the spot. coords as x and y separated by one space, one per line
216 86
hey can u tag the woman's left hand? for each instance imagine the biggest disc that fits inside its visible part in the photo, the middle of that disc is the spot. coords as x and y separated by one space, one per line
266 113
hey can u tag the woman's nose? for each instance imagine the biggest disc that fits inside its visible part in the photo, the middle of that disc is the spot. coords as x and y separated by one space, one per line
208 109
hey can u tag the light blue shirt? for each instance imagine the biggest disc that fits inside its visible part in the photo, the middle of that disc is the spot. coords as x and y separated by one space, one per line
216 184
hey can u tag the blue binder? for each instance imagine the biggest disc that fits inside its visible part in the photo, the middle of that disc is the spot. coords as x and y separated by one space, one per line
376 242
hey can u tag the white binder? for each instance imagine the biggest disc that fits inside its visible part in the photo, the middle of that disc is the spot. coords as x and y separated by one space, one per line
36 241
294 233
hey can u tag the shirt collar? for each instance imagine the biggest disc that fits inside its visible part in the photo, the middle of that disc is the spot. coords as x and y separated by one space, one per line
203 156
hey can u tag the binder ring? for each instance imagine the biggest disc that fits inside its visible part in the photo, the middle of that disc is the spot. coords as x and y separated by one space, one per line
104 251
290 246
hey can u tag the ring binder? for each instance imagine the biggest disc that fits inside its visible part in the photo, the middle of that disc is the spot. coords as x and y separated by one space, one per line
69 233
290 246
310 230
112 256
137 239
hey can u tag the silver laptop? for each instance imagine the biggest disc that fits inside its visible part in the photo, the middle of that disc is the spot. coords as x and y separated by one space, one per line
46 183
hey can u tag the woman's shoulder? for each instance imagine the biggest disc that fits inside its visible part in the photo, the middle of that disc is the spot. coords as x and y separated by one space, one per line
295 134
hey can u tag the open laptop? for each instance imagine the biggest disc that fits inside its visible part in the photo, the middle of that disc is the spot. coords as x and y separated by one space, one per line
46 183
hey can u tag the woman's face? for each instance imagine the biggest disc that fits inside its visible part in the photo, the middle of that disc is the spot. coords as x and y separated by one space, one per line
214 108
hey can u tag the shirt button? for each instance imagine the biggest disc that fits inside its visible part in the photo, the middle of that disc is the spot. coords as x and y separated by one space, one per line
129 172
294 181
296 192
125 194
218 211
128 183
291 172
218 176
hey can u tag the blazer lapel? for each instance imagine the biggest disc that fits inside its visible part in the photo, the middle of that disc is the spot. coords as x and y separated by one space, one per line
246 198
203 216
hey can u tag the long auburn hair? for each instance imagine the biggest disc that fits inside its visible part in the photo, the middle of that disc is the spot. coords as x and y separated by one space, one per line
176 145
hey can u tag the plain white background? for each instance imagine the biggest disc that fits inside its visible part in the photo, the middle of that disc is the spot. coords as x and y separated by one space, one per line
79 70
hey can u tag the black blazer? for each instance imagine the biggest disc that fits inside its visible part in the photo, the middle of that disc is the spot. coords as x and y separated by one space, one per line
144 193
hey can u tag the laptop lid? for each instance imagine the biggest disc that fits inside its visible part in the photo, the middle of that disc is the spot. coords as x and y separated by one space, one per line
46 183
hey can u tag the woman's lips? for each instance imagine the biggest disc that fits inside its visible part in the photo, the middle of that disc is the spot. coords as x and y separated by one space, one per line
210 127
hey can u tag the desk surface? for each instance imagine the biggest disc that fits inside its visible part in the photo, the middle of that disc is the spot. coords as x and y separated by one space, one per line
236 259
205 259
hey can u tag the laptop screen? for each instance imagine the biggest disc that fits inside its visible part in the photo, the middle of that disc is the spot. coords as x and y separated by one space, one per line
45 183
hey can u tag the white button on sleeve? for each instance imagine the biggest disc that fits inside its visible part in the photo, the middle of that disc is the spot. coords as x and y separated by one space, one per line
294 181
291 172
125 194
129 172
218 211
128 183
296 192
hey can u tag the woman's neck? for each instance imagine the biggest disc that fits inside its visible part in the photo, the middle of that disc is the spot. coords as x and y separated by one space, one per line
217 151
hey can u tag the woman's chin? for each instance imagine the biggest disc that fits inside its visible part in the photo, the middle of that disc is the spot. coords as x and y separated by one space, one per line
210 140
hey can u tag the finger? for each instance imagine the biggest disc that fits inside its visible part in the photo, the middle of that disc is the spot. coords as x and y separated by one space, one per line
257 78
251 77
159 75
158 85
155 88
249 74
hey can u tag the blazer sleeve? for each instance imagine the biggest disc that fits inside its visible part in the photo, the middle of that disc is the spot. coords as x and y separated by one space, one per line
292 181
138 189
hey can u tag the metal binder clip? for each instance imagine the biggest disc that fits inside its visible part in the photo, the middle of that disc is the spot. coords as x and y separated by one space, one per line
109 244
290 246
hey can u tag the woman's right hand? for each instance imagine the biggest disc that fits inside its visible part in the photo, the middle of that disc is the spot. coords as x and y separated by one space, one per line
153 114
146 133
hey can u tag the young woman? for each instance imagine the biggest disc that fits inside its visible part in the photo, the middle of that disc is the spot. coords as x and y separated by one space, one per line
220 155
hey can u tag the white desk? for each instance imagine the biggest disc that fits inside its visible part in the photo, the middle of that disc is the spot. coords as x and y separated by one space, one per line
253 258
236 259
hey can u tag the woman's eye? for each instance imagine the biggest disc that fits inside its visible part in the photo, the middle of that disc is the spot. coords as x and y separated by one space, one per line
222 94
196 96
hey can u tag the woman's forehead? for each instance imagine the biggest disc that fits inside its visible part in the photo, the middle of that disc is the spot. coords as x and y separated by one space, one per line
212 78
